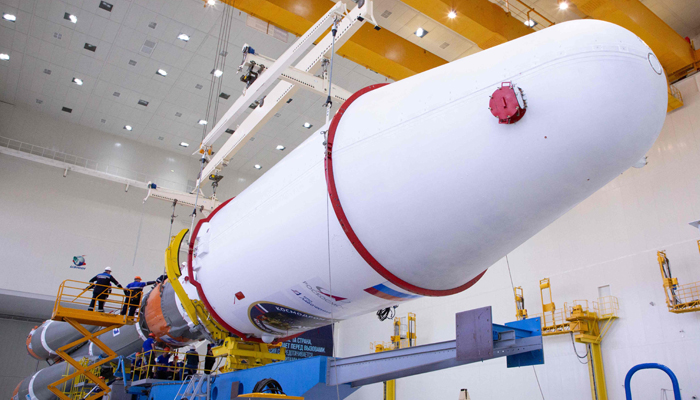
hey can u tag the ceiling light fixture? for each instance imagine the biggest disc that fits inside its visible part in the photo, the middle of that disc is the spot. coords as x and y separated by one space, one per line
161 72
280 147
128 128
9 17
563 5
420 32
211 2
217 72
4 57
452 14
70 17
257 166
78 81
531 23
184 37
184 144
307 125
202 122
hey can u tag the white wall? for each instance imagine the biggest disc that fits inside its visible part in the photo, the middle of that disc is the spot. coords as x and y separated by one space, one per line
609 239
47 219
16 363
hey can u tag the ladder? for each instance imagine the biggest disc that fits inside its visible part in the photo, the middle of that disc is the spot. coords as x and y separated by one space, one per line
193 387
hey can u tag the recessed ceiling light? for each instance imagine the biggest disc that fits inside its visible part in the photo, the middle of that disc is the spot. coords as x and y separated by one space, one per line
47 71
78 81
230 131
280 147
66 109
161 72
531 23
217 72
307 125
178 114
90 47
224 96
106 6
202 122
184 144
132 62
118 144
39 101
211 2
452 15
70 17
420 32
257 166
172 170
9 17
4 57
143 103
184 37
563 5
128 128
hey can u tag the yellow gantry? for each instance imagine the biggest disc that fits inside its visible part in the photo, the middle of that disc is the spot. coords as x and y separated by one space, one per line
481 21
379 50
584 324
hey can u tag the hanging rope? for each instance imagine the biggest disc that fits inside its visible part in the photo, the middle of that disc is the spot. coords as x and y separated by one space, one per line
513 289
219 61
138 235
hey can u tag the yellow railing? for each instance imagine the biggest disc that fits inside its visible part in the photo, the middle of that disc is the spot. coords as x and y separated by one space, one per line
77 300
148 367
607 307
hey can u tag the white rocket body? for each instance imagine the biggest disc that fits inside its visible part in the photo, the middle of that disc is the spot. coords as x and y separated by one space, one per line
435 189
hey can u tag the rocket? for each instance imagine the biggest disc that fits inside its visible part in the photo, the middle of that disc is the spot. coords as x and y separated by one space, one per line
415 188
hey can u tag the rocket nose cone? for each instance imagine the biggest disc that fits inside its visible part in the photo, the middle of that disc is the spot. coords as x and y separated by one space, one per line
453 191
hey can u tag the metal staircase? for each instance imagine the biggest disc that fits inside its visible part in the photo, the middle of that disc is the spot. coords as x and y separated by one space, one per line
193 388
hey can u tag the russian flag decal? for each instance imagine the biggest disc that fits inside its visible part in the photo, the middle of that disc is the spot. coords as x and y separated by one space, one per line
388 293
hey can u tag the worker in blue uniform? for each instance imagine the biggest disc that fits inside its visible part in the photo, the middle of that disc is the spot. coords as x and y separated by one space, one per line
101 287
134 291
163 366
148 348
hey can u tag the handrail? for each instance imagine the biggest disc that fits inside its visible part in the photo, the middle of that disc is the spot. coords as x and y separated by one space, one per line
55 155
674 380
94 304
146 367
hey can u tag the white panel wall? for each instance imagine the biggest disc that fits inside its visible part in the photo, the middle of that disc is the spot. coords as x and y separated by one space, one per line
609 239
16 363
47 219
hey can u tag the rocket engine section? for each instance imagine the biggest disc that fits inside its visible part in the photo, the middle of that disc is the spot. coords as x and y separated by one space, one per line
163 314
420 189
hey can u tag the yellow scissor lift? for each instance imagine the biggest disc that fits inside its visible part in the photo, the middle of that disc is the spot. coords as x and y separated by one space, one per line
583 322
71 306
679 298
404 336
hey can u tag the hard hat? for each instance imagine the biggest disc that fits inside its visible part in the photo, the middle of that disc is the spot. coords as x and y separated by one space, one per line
137 277
151 335
108 269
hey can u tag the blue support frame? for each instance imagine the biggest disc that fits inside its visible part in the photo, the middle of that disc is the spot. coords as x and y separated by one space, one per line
525 328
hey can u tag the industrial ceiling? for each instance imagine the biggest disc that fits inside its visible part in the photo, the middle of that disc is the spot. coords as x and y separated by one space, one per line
134 39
